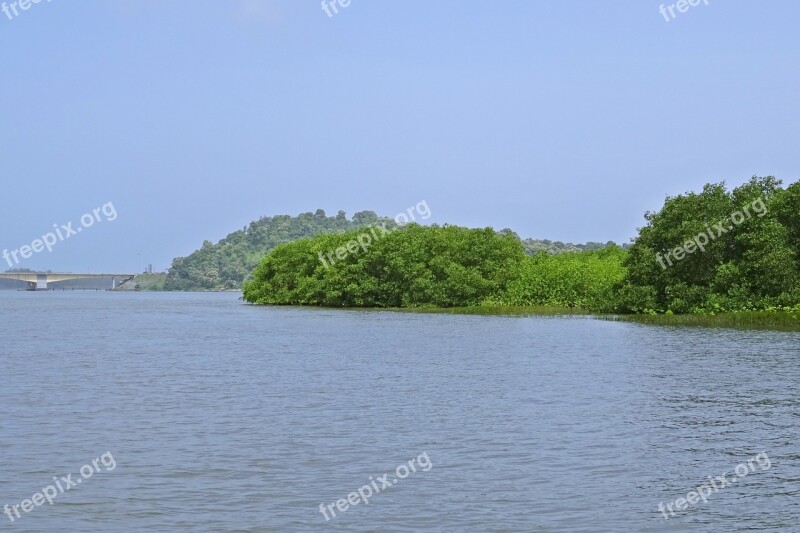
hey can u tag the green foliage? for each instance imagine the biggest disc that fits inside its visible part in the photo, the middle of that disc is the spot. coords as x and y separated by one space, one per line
150 282
784 319
227 264
583 279
749 263
435 267
535 246
417 266
752 265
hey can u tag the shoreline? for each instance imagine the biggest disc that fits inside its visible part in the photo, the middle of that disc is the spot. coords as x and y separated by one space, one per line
751 320
785 321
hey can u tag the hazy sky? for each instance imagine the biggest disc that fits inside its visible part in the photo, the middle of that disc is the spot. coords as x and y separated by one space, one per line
564 120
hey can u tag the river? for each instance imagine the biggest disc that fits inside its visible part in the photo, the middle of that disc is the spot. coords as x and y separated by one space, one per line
207 414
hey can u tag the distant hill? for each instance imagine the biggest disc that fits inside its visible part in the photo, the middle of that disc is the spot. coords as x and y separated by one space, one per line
226 264
533 246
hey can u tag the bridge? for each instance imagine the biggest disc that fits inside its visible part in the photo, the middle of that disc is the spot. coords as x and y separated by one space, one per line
38 281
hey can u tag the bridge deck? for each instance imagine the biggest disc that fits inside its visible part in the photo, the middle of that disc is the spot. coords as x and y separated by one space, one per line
40 280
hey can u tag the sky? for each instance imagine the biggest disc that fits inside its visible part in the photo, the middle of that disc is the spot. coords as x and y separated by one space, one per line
564 120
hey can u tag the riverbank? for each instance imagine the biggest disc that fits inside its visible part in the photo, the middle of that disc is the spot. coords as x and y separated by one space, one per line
149 282
499 310
771 320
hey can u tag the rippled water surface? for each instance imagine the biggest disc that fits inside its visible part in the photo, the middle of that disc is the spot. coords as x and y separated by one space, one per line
225 417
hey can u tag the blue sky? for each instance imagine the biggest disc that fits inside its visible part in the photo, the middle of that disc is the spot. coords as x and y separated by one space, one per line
564 120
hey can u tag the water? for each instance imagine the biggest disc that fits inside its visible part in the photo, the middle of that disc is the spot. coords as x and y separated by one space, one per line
225 417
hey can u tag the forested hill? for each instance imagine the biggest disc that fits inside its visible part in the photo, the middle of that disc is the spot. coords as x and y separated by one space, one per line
533 246
228 263
225 265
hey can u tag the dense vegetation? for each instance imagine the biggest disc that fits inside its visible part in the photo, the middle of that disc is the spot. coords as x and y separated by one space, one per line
228 263
709 252
416 266
753 264
433 266
225 265
150 282
534 246
583 279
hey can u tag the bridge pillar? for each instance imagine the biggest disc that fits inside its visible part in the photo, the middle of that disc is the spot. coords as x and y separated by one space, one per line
40 284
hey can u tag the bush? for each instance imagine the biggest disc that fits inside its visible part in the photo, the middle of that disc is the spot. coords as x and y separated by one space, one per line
578 279
753 264
413 267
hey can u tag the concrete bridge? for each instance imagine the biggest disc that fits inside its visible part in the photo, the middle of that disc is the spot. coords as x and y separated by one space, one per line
38 281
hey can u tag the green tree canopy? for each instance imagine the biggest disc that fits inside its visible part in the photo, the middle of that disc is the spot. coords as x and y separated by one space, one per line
745 251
